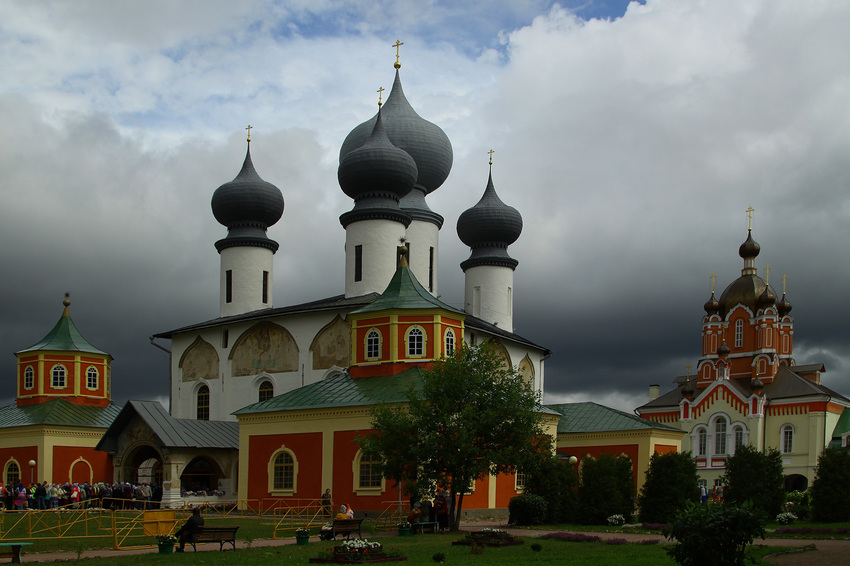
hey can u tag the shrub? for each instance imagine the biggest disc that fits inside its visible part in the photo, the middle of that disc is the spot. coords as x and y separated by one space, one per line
527 509
756 477
830 491
556 481
616 520
671 482
607 488
786 518
708 535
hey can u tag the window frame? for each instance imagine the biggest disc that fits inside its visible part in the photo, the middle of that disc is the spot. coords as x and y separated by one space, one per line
6 469
449 341
415 340
263 389
786 437
202 411
372 348
29 377
357 477
58 372
702 442
739 333
282 490
721 445
92 373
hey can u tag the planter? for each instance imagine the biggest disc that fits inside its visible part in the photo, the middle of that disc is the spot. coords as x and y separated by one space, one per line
404 531
301 540
166 547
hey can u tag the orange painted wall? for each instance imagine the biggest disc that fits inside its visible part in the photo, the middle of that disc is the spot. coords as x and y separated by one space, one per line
307 448
22 455
664 449
505 489
64 456
345 449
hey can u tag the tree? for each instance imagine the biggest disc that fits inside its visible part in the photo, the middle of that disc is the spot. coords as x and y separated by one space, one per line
671 482
831 488
757 477
607 488
556 481
472 416
713 535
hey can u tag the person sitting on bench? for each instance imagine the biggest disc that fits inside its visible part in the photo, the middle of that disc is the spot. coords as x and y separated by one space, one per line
189 528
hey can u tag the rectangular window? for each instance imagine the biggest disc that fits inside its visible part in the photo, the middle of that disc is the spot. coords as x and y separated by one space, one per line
265 287
228 286
225 337
431 269
739 333
370 475
358 263
788 440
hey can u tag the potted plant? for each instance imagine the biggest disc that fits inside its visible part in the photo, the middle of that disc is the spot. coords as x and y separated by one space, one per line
166 543
404 529
302 536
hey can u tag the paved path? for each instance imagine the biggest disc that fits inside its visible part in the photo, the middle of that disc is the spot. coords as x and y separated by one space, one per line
831 552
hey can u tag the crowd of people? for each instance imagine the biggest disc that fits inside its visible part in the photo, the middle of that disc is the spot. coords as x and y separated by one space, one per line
45 495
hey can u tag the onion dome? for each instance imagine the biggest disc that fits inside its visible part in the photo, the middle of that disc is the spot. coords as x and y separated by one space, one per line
750 248
489 228
783 306
247 205
426 142
723 350
748 289
688 388
756 385
712 305
767 298
376 175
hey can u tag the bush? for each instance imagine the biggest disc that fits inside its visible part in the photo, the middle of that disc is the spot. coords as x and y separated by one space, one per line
671 483
607 487
527 509
756 477
713 535
830 492
556 481
786 518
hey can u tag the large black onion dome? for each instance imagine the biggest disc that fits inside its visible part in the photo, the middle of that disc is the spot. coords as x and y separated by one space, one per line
750 248
746 290
377 169
426 142
783 306
712 305
247 200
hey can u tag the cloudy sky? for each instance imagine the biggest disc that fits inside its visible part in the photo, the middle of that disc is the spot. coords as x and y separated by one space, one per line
631 137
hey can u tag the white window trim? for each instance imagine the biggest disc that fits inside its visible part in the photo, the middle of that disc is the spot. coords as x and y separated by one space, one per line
450 333
29 378
355 468
366 345
407 342
271 488
96 378
64 377
787 427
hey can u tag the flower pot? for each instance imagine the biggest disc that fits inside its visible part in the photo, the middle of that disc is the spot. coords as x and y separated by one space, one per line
166 547
404 531
301 540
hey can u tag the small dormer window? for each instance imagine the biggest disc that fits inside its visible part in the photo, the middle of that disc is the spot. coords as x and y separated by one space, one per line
415 342
29 378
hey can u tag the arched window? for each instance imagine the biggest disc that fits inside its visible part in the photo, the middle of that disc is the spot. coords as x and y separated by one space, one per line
449 347
720 436
739 436
58 375
91 377
29 378
283 471
520 480
739 333
203 403
415 342
787 439
266 390
373 345
370 473
13 474
702 442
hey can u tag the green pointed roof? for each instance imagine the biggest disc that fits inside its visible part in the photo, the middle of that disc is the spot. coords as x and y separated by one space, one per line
405 292
64 337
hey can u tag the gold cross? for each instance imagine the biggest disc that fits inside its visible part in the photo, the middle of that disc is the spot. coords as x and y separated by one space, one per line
491 152
767 274
688 371
397 44
249 131
380 95
784 279
750 211
713 277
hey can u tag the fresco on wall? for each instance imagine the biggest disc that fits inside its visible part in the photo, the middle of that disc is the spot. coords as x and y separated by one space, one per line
264 347
199 361
330 346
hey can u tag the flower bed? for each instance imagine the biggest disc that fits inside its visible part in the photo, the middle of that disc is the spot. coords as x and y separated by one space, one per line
489 537
358 552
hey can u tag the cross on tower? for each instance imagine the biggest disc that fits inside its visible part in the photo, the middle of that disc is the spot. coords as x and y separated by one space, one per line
767 274
380 95
249 131
713 277
784 280
397 44
491 152
750 211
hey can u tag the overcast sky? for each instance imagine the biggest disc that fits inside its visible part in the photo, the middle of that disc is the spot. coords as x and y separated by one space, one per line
631 137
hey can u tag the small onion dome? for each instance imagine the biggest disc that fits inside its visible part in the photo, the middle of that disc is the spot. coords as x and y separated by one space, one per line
723 350
247 200
750 248
712 305
426 142
767 298
756 384
783 306
377 169
688 388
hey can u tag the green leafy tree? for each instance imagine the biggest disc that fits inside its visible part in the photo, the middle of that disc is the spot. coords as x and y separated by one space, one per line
830 491
556 481
757 477
471 417
671 483
714 535
607 488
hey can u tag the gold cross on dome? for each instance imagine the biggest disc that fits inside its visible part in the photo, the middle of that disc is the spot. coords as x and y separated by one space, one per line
397 44
491 152
767 274
380 95
713 277
249 131
784 280
750 211
688 371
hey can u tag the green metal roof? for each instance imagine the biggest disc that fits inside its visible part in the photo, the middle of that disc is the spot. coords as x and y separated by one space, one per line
58 412
64 338
592 417
342 391
843 424
405 292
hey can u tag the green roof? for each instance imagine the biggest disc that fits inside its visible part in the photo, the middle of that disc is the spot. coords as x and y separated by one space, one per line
843 424
592 417
64 338
405 292
58 412
342 391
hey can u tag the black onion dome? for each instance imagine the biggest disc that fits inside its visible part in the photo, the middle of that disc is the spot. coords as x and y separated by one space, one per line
247 200
723 350
491 220
377 169
746 290
756 384
767 298
750 248
712 305
783 306
426 142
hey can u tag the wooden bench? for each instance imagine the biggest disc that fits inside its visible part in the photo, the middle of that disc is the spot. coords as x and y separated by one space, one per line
13 550
421 526
346 527
220 535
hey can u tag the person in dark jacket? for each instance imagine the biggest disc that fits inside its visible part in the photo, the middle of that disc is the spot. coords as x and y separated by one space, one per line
189 528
